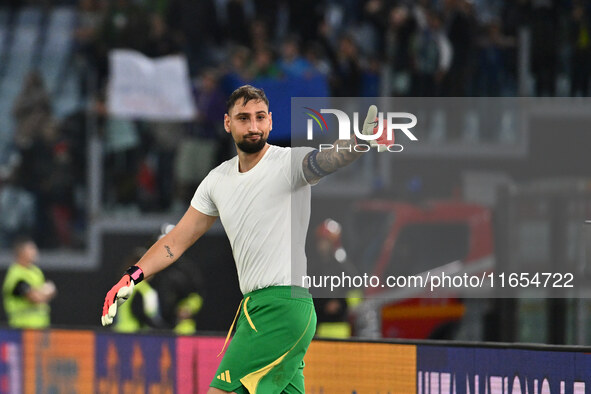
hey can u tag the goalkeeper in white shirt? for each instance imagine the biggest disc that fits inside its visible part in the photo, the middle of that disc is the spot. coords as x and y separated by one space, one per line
254 195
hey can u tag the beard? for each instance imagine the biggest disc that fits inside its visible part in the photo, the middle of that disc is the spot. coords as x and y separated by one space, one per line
251 147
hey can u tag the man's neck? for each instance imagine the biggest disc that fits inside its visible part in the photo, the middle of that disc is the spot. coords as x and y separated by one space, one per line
247 161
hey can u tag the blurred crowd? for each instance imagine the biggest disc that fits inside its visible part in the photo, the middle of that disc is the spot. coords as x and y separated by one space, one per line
43 182
363 47
419 48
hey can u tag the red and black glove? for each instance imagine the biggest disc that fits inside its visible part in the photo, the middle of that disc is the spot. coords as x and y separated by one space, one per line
120 293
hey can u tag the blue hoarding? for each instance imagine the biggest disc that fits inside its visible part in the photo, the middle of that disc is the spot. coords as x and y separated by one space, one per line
507 371
128 363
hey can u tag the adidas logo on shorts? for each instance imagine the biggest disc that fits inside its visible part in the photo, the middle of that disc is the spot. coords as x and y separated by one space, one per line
225 376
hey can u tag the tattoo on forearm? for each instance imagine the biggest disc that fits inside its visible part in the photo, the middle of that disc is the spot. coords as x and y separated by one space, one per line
331 160
169 251
338 157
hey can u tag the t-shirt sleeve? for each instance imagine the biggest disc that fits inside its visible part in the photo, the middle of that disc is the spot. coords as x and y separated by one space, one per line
202 199
298 178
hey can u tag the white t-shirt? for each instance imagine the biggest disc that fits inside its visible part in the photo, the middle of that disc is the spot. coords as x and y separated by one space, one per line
265 213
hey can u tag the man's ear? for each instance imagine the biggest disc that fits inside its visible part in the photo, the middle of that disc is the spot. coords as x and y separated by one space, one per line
270 121
227 123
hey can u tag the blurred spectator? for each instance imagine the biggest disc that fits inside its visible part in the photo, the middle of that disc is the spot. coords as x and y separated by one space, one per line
264 65
347 69
58 187
314 54
207 143
211 105
141 311
91 14
376 14
124 25
432 56
292 64
45 168
259 36
580 38
239 58
544 45
399 35
73 129
31 110
343 13
123 157
461 31
346 77
26 292
492 74
371 84
160 41
156 176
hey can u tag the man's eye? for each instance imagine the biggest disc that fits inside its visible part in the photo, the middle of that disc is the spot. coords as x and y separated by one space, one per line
261 117
242 118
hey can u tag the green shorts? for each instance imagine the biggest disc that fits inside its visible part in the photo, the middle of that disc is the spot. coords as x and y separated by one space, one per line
275 327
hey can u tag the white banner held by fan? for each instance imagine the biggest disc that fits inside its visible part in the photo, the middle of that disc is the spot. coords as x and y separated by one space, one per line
152 89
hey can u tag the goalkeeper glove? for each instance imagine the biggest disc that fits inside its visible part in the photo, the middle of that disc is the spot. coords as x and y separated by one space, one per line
120 293
370 128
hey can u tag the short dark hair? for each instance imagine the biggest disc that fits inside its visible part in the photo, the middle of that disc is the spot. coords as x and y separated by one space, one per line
20 241
246 92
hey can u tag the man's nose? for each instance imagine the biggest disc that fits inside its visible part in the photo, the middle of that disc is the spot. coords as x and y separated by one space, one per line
253 124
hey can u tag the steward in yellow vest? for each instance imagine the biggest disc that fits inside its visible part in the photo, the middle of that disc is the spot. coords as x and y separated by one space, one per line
25 291
140 312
